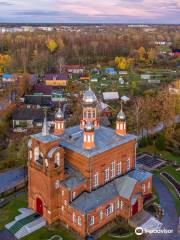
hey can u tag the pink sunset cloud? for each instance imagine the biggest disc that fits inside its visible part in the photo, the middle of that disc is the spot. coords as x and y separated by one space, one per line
92 10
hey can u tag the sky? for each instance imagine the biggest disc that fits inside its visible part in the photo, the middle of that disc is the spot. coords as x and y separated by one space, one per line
90 11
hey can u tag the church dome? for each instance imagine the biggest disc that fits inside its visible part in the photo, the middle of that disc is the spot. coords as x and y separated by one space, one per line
121 115
89 97
59 114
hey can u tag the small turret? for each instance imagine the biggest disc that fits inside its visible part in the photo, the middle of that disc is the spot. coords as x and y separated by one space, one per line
88 140
59 122
121 123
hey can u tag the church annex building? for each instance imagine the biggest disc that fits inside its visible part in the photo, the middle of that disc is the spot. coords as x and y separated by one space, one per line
85 175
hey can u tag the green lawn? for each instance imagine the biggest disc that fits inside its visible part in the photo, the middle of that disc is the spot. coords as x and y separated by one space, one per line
45 234
8 213
130 236
172 171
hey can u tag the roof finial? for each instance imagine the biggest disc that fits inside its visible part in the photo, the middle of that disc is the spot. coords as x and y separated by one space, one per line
121 114
45 130
121 106
89 85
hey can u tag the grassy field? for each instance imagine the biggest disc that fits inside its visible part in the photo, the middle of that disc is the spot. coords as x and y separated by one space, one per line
8 213
172 171
164 154
46 233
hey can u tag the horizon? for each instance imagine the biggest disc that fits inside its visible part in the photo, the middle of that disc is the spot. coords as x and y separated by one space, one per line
87 23
91 11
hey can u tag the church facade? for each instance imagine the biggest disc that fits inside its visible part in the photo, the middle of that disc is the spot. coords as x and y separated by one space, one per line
85 175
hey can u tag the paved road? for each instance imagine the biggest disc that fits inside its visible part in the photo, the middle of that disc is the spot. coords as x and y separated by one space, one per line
170 219
6 235
11 178
159 127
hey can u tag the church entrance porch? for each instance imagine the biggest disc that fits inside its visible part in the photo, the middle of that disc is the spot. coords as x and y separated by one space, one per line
135 208
39 206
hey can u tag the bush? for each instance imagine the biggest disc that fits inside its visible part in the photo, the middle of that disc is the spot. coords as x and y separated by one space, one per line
160 142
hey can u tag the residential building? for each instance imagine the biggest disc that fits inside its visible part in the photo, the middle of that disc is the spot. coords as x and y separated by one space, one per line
110 96
56 80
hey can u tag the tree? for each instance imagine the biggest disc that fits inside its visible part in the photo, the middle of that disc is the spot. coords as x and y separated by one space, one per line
39 62
142 54
52 45
123 62
152 55
137 112
11 151
22 152
5 61
60 63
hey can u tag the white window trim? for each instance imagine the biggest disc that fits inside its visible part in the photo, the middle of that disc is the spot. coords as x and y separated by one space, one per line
91 221
101 215
119 168
79 221
56 184
110 210
121 204
57 159
74 195
106 178
36 154
74 217
144 187
128 164
96 179
113 169
62 208
30 154
117 204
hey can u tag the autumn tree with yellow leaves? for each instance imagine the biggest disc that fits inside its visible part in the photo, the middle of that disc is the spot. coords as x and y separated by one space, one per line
142 54
123 62
5 61
52 45
152 55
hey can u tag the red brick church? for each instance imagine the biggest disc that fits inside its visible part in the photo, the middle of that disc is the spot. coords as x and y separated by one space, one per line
85 175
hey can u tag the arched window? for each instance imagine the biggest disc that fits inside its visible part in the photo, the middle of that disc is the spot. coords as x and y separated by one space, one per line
57 184
79 221
57 159
46 162
101 215
30 154
74 195
74 218
36 154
